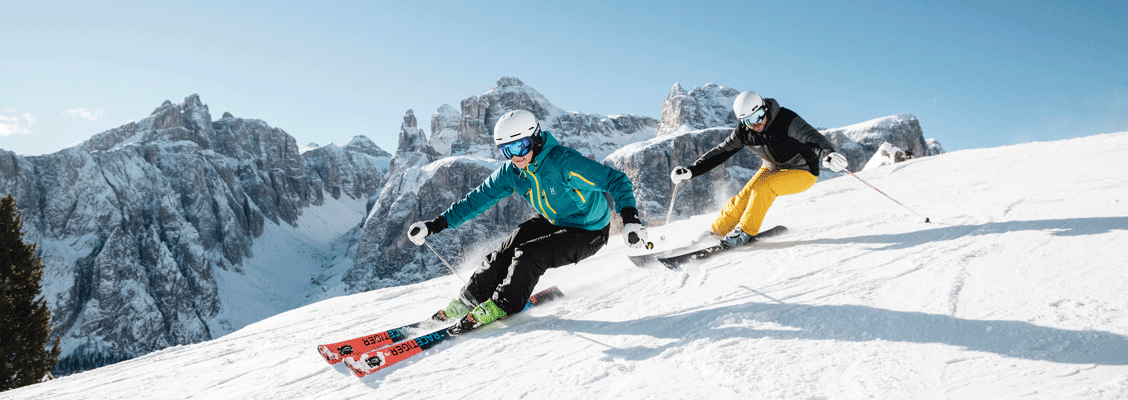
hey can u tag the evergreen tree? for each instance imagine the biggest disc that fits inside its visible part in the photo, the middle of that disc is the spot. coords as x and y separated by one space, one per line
24 321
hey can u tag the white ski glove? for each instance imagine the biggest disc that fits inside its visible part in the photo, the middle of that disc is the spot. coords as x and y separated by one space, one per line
419 231
680 174
633 232
636 232
835 161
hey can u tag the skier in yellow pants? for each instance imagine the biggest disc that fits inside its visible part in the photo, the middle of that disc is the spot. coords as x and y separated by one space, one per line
790 149
748 208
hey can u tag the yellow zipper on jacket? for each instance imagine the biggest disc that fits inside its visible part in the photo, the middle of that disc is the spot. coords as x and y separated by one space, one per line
547 203
541 201
573 173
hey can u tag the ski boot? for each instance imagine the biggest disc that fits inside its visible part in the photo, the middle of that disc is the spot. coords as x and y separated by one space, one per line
453 311
482 314
736 238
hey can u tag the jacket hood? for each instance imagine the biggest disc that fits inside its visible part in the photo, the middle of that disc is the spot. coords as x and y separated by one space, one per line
773 110
549 142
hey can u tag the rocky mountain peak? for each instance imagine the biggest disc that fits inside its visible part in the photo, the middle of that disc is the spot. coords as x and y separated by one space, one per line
444 128
479 114
508 81
705 107
411 138
362 144
409 119
187 121
676 91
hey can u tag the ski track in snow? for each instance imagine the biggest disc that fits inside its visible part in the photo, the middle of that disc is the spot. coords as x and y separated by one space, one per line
1016 290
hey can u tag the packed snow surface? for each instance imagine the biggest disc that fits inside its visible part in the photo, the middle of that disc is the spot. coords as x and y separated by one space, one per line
1017 289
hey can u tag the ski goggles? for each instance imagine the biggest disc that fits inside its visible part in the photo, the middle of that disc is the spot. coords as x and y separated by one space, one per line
755 118
517 148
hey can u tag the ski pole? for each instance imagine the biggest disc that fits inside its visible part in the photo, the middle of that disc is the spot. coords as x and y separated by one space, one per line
887 196
673 196
443 260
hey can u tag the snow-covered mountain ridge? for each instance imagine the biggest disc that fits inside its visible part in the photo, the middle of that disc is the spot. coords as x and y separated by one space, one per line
1014 291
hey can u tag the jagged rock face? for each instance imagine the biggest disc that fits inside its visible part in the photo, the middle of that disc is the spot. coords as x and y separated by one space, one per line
357 169
128 258
860 141
412 140
649 163
705 107
480 114
444 129
385 257
595 136
363 145
133 223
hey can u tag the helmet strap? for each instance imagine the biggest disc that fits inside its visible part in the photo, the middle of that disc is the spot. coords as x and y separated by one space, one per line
538 141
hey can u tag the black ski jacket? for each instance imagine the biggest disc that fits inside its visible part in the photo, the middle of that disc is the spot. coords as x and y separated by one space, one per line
788 142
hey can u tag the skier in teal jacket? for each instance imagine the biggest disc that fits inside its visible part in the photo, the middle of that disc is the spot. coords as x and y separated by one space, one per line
573 222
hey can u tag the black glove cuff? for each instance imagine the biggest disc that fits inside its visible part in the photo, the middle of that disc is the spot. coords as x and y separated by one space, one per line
630 215
436 225
693 170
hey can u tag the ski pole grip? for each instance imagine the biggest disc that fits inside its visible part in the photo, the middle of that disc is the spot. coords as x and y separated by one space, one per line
633 237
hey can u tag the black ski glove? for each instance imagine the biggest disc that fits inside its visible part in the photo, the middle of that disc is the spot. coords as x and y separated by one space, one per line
630 215
436 225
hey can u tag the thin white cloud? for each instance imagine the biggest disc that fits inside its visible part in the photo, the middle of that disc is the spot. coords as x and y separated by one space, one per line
93 115
15 124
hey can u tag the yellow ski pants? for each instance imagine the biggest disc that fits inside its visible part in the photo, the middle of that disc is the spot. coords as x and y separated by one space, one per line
749 207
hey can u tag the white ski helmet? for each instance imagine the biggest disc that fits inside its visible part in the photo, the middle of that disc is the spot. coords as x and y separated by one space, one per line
514 125
747 104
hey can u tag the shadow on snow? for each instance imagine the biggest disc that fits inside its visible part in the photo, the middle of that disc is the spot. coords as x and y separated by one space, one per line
1057 227
855 323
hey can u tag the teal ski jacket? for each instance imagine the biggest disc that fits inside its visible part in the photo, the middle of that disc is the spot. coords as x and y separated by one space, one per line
562 185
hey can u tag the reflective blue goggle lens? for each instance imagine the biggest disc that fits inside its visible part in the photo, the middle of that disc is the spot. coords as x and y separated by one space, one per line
518 148
754 118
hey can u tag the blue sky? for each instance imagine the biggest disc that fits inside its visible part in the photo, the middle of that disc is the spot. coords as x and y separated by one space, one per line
976 74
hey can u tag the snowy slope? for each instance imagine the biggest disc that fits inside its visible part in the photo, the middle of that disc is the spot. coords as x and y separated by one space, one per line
277 278
1017 290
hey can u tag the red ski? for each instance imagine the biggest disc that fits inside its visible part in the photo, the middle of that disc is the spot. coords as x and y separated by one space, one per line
381 358
334 353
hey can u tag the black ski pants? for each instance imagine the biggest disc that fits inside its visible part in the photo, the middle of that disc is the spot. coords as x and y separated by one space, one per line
510 274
